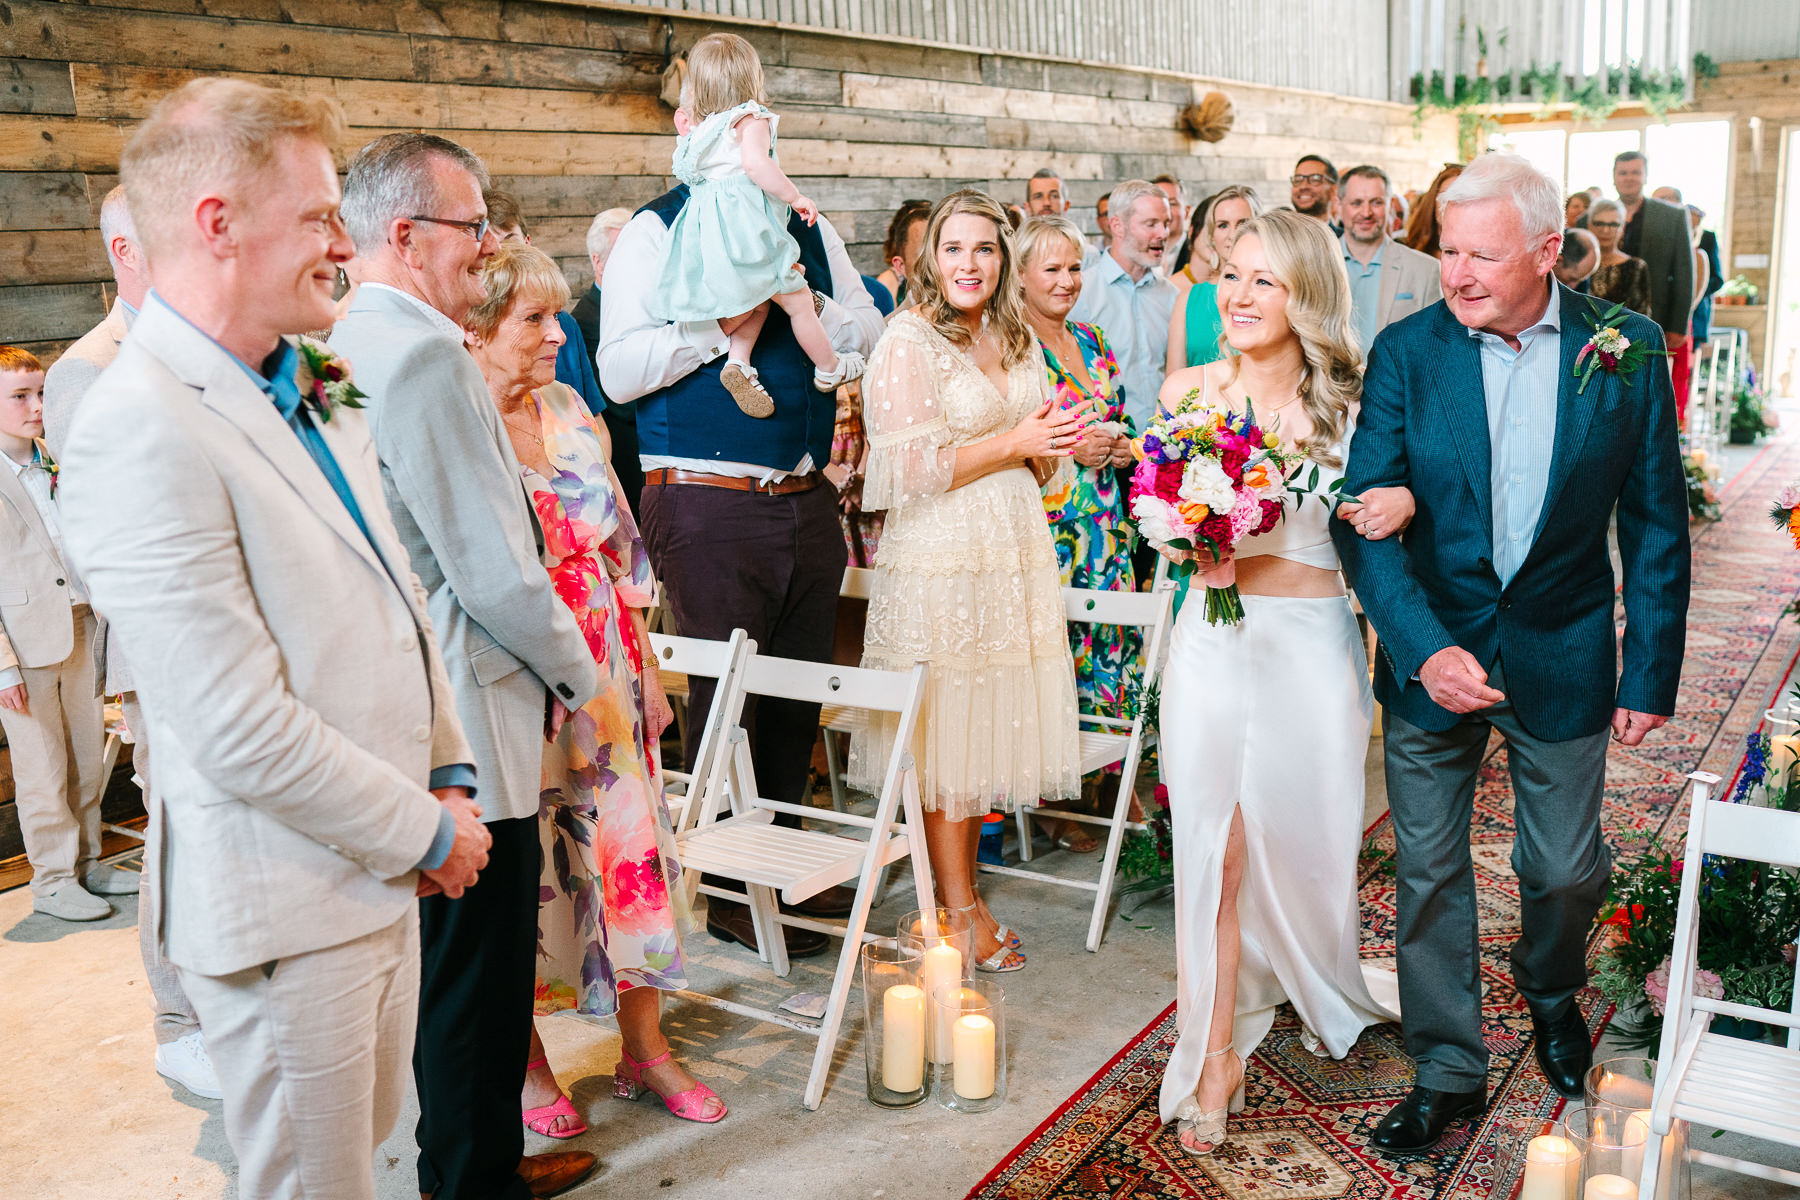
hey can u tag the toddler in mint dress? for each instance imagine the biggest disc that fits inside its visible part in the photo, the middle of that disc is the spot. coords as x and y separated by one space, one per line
729 251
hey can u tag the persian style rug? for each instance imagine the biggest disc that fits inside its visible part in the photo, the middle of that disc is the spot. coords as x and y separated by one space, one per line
1304 1131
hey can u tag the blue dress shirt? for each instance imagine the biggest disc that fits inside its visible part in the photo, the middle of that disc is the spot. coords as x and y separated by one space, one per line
1521 387
1365 294
1134 314
278 381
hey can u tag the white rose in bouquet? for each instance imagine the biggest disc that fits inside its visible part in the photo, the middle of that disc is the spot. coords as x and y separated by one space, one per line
1203 481
1157 520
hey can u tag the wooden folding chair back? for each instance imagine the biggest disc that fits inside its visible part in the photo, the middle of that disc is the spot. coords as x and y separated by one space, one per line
1106 740
1747 1087
796 863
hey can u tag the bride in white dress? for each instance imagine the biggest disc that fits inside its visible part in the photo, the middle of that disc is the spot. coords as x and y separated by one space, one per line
1265 724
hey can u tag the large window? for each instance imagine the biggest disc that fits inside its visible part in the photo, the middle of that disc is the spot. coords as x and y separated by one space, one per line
1693 156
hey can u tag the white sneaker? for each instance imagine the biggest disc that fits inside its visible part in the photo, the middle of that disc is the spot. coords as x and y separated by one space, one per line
185 1061
111 881
72 902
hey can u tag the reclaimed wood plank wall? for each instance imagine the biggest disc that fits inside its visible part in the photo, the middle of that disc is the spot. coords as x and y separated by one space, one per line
559 98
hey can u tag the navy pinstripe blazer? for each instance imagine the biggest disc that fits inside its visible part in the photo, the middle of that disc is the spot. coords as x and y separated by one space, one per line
1423 426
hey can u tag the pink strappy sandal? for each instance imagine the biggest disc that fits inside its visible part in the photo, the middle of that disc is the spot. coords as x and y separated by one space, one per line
699 1103
539 1120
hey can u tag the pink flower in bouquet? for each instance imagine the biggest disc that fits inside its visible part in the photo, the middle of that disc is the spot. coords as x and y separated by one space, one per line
1246 515
1656 986
1271 516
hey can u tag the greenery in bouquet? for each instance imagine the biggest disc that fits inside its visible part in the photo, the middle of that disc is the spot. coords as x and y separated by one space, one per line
1749 916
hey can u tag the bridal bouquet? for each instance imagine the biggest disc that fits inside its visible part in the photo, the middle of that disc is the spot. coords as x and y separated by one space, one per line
1207 478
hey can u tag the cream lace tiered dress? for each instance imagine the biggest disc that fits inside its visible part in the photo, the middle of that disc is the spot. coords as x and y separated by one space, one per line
966 580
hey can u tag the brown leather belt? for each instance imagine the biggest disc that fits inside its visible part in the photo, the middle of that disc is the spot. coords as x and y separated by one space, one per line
736 483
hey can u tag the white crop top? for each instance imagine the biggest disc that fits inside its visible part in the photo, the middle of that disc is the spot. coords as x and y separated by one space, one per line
1303 534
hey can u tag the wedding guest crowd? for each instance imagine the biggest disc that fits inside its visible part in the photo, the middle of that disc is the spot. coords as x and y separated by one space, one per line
399 768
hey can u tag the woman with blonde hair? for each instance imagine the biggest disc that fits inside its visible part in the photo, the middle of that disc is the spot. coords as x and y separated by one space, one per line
610 916
1265 724
1195 326
963 430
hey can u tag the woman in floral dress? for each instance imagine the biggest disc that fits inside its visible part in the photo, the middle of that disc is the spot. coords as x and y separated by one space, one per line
610 918
1085 506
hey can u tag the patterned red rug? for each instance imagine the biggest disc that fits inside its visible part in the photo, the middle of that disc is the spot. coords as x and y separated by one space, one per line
1304 1131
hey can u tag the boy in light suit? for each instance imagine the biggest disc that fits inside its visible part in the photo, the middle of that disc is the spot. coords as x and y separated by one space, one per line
49 695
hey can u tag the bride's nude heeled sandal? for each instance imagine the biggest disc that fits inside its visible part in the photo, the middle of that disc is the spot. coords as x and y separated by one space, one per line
1209 1127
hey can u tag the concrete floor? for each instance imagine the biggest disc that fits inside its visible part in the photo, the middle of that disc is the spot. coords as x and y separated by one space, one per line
84 1114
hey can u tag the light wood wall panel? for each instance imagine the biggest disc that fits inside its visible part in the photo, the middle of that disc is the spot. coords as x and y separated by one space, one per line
559 98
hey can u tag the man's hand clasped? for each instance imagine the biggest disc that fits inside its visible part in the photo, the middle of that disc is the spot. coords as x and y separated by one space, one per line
468 853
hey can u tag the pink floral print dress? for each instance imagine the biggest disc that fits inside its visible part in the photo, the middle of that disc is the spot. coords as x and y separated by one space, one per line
609 910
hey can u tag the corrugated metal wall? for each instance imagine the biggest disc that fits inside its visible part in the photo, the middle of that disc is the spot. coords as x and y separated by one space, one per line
1747 30
1337 46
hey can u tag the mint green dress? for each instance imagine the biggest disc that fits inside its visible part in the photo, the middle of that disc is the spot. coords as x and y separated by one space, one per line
729 249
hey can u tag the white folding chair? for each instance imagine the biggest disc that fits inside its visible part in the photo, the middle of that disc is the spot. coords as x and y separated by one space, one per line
1105 741
836 720
767 858
677 660
1746 1087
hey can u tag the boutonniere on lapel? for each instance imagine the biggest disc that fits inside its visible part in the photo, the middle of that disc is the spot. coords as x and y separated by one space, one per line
324 380
49 467
1609 350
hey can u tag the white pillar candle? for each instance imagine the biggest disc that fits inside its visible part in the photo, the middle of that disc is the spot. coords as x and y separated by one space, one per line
1610 1187
941 975
973 1048
1637 1132
903 1037
1784 752
1552 1169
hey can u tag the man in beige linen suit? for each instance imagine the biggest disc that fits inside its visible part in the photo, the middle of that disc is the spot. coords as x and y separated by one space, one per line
49 701
311 776
180 1050
1388 281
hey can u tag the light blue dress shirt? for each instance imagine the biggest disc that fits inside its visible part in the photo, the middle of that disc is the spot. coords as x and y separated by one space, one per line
1521 387
283 390
1134 315
1365 293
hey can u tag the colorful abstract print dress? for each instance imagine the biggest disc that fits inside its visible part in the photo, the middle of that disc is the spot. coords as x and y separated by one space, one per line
1086 508
609 914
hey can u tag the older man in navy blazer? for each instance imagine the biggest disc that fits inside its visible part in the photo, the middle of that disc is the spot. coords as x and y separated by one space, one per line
1496 612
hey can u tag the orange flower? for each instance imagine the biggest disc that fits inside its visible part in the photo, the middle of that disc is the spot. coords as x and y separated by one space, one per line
1257 476
1192 513
1137 449
1794 526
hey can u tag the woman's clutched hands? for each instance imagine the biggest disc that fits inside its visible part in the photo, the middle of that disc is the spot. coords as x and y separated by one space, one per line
1051 432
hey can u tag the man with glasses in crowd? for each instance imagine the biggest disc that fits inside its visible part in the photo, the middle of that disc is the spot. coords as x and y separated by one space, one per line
1314 189
414 207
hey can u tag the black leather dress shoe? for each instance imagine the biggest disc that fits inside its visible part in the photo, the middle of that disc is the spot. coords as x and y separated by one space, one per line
832 902
731 923
1564 1048
1417 1123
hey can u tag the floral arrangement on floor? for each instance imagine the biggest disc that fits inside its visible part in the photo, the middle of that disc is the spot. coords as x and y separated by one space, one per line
1147 859
1750 416
1702 497
1749 916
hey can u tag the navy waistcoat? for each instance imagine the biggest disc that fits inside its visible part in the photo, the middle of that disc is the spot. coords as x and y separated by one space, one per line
695 417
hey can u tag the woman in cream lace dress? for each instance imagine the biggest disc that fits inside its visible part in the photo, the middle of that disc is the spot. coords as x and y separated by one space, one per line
963 430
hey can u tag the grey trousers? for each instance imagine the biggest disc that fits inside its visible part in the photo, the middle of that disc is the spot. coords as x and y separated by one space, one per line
1559 857
175 1017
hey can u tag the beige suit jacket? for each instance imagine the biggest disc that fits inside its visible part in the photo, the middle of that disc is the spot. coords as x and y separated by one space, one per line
36 628
67 381
285 664
1410 281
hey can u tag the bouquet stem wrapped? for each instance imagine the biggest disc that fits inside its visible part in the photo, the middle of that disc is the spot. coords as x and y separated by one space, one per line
1206 479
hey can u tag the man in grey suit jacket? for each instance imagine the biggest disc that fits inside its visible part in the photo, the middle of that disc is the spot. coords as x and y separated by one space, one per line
413 204
311 774
180 1048
1388 281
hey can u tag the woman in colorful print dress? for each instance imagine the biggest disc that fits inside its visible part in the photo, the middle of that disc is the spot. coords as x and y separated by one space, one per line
1086 506
610 917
